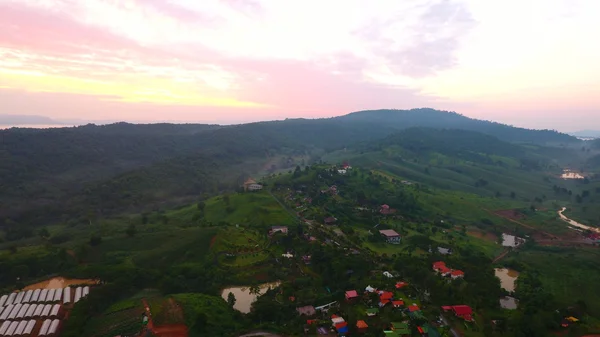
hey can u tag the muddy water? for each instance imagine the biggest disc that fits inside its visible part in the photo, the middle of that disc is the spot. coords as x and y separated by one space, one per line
508 302
243 298
575 223
507 277
60 282
511 240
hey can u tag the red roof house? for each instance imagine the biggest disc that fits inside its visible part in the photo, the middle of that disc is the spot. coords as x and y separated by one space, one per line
330 220
463 311
397 304
413 308
438 265
361 326
444 271
401 285
386 295
351 294
457 274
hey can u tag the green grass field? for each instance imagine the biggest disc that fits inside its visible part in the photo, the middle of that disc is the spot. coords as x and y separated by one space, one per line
208 315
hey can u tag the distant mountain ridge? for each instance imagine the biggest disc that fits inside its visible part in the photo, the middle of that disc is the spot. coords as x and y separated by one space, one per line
425 117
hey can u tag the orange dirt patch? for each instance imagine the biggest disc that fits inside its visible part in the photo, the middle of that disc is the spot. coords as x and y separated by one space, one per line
482 235
171 330
511 214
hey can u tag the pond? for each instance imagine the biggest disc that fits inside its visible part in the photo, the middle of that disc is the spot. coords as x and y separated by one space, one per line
568 174
509 303
60 282
507 277
511 240
575 223
243 297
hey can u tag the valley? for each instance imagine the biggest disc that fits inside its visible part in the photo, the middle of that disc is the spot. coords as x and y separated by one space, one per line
352 229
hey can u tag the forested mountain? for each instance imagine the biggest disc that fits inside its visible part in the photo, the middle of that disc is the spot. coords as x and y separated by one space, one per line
404 119
56 174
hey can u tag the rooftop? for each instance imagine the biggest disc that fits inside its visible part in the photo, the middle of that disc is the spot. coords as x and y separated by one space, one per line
389 232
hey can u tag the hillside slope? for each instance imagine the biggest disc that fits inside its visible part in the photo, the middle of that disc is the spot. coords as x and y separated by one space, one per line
58 174
403 119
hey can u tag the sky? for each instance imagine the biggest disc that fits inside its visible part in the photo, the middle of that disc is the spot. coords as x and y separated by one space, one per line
531 63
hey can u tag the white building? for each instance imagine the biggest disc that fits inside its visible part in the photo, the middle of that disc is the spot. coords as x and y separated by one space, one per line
255 187
58 295
27 297
50 295
45 327
36 296
3 300
67 295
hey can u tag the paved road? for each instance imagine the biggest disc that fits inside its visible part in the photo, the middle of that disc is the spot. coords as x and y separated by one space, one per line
456 334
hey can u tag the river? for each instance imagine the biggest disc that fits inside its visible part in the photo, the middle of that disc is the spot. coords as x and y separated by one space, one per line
575 223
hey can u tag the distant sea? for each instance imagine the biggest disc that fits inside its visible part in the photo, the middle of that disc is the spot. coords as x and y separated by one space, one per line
35 126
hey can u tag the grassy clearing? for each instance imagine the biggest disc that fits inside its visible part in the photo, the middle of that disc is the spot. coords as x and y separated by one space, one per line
247 246
208 315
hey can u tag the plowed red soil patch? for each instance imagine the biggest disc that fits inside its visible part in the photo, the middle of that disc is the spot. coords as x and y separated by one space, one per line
172 330
510 214
482 235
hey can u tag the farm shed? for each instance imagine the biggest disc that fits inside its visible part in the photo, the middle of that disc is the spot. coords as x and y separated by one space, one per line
19 298
86 291
58 295
11 329
78 291
54 327
27 297
43 295
1 310
67 295
23 311
46 311
6 312
3 300
29 327
50 295
20 328
4 327
36 295
55 311
15 311
11 299
45 327
38 310
31 311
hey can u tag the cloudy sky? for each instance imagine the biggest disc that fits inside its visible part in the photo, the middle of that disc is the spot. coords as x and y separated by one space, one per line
532 63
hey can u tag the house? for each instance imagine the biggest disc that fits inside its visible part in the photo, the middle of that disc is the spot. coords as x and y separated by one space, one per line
398 303
342 171
248 182
401 285
370 289
388 274
413 308
463 311
438 265
385 210
306 259
278 229
372 312
308 310
351 295
455 274
390 235
361 326
254 187
386 295
330 220
444 251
